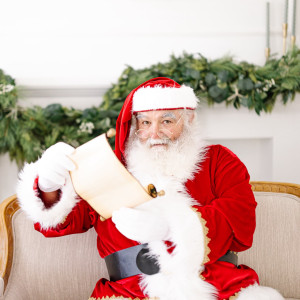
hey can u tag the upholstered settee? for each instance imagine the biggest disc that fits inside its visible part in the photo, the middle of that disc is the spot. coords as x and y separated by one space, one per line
33 267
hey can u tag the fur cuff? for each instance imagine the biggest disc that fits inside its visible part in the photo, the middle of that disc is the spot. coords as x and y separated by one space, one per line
34 207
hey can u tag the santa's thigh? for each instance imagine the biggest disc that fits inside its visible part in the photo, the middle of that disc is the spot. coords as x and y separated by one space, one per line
258 292
228 278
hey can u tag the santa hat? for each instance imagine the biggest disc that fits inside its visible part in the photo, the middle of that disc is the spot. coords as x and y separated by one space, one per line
155 94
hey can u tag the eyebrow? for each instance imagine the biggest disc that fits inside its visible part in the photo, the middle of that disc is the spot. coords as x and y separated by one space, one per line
139 116
165 115
169 115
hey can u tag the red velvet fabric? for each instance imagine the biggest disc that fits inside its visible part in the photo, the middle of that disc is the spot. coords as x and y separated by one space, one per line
226 203
229 279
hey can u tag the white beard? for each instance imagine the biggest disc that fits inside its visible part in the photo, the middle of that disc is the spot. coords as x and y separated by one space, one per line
181 159
169 169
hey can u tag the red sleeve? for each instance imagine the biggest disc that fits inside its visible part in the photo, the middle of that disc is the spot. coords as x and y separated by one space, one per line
229 219
80 219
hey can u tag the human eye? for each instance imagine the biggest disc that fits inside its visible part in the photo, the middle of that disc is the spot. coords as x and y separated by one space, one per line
145 122
167 122
142 123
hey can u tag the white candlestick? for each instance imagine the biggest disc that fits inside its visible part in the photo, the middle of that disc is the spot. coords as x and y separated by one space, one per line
286 11
285 26
268 25
294 19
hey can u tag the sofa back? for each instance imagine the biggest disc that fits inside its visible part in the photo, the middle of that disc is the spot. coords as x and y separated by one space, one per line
275 254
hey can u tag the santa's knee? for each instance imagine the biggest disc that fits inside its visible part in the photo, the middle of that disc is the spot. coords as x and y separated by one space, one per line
258 292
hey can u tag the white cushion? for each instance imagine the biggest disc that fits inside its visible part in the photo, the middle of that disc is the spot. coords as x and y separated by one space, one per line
52 268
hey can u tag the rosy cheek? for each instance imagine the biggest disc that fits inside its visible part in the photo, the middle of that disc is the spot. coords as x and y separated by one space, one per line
176 133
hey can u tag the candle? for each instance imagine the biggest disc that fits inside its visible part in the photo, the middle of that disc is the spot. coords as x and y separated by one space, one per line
294 19
268 25
286 11
284 26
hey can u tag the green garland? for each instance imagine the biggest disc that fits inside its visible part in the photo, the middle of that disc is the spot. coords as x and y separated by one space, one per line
26 132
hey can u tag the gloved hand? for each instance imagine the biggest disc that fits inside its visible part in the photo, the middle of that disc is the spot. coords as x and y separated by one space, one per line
140 225
54 167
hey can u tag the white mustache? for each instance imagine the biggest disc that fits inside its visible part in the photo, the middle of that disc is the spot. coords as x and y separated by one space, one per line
152 142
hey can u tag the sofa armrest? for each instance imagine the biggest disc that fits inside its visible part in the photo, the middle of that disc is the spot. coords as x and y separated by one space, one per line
7 209
276 187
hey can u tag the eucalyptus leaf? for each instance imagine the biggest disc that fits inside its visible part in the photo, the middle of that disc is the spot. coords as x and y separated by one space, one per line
245 84
244 101
224 75
54 112
219 95
210 79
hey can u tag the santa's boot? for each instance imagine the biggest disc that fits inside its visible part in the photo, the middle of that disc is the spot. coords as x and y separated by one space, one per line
258 292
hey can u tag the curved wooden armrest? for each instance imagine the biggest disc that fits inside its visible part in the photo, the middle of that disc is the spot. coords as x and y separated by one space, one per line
7 209
276 187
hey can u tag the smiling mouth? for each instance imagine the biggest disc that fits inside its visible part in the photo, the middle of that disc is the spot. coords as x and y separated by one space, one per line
159 145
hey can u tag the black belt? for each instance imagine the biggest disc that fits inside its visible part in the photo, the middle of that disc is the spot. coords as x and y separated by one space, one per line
136 260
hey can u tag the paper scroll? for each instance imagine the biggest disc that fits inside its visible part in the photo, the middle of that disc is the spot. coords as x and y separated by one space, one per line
102 180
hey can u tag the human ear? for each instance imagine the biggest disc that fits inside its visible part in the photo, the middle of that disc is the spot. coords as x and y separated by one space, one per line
191 116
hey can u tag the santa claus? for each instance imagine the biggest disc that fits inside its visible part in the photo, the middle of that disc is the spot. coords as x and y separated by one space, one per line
181 245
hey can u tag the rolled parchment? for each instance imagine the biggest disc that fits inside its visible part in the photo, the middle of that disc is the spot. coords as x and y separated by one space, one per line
102 180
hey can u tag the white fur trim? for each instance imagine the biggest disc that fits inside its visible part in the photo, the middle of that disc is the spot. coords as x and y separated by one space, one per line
34 206
179 272
258 292
158 97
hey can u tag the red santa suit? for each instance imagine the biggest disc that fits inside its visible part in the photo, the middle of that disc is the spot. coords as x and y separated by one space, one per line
211 210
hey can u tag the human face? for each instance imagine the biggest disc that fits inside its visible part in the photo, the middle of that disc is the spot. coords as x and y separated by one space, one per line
160 125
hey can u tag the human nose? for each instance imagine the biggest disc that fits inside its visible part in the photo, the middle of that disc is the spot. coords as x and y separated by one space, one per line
154 131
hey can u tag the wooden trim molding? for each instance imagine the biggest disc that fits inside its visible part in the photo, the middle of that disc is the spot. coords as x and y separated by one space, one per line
276 187
7 209
62 91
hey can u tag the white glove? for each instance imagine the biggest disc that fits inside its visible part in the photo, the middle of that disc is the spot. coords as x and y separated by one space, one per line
54 167
139 225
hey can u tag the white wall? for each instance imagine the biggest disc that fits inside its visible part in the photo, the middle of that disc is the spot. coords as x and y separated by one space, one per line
75 42
65 45
269 145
